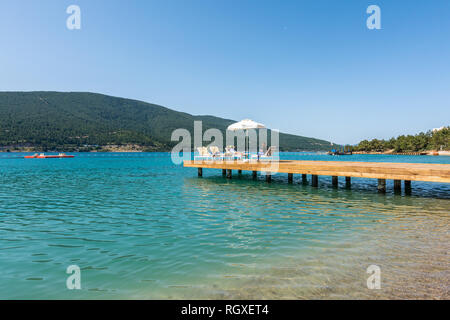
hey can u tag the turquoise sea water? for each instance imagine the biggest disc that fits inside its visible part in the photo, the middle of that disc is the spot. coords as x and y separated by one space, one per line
140 227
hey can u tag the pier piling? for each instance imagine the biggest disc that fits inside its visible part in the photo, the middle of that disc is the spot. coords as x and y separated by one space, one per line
334 181
408 187
314 180
397 186
382 185
200 172
268 177
254 174
304 179
290 177
229 173
348 182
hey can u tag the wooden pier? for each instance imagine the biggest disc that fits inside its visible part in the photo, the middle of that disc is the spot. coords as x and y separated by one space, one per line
376 170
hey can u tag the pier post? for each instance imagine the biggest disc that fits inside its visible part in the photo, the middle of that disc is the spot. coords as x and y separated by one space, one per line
200 172
255 174
408 187
348 182
397 186
290 177
229 173
224 172
334 181
382 185
314 180
239 172
268 177
304 179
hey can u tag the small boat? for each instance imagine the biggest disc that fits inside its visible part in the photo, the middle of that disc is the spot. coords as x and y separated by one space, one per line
43 156
340 153
335 152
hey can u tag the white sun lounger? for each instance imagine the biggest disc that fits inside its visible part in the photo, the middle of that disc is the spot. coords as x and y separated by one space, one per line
203 154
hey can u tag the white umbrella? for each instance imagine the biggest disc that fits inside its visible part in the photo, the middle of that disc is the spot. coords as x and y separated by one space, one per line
246 125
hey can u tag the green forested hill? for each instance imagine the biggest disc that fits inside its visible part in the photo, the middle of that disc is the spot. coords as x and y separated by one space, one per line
71 121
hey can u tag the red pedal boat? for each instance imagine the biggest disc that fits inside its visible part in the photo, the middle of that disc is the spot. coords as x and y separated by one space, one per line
43 156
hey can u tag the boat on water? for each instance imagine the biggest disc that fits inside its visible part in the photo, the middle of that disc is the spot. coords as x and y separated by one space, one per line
339 153
346 150
44 156
343 152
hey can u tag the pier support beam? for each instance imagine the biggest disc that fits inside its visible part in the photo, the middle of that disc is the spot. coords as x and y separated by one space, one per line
314 180
239 172
334 181
200 172
408 187
254 174
290 177
304 179
229 173
224 172
397 186
268 177
382 185
348 182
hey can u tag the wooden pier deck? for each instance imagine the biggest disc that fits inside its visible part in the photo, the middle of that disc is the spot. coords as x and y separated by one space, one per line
375 170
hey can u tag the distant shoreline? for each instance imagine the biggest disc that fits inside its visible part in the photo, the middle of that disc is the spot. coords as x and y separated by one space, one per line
138 149
108 148
421 153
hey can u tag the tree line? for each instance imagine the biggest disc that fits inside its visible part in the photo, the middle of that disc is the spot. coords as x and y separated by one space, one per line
431 140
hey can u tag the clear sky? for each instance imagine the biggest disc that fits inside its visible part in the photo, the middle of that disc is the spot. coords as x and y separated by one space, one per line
311 68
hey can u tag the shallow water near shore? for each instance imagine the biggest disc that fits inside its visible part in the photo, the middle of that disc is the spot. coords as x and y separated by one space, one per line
140 227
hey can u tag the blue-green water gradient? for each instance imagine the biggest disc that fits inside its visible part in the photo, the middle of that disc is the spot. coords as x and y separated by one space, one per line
142 227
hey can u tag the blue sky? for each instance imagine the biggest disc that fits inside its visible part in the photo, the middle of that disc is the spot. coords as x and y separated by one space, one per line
305 67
